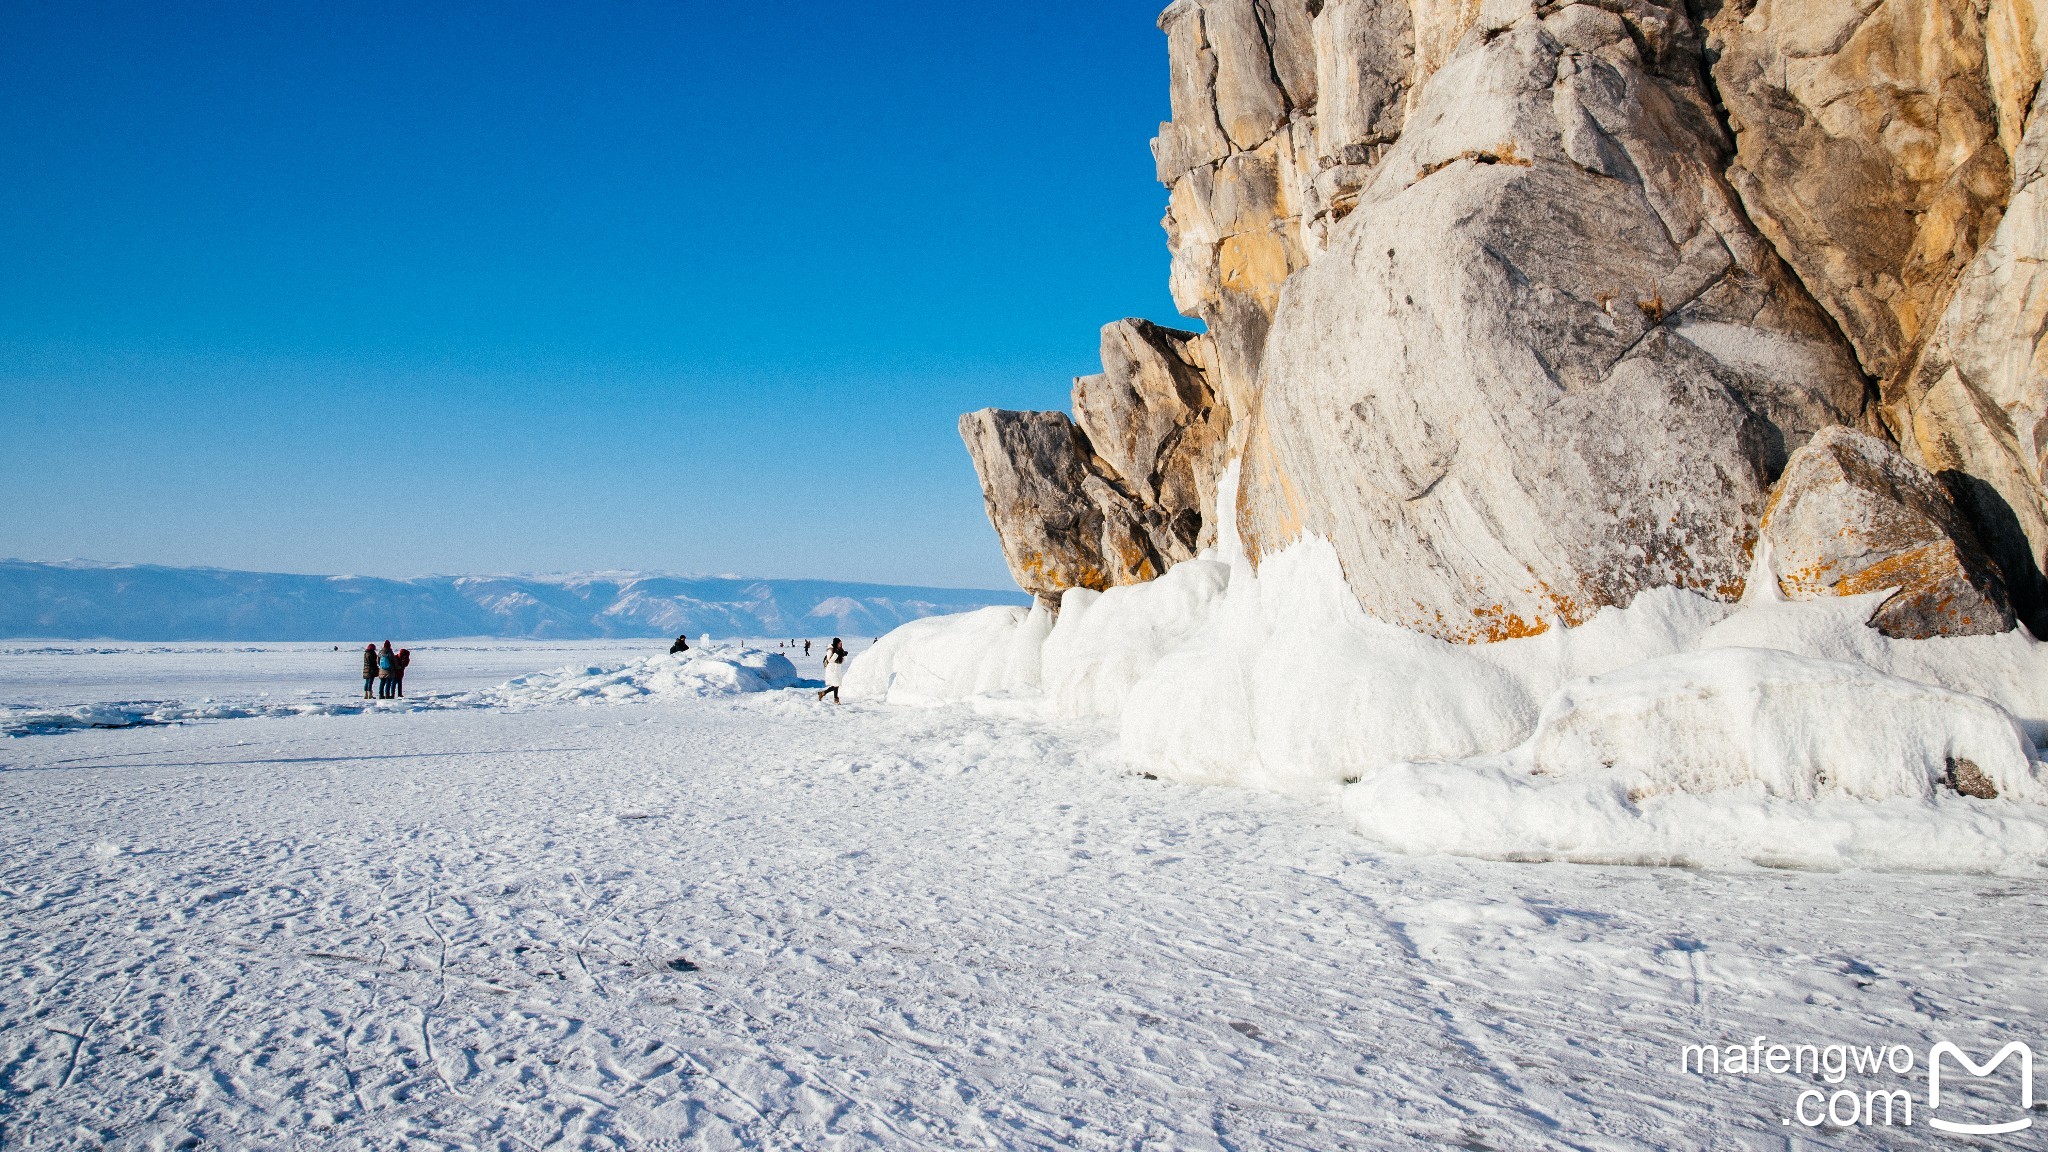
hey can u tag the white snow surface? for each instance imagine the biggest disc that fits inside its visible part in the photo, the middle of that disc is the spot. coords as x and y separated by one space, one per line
252 681
1678 730
560 917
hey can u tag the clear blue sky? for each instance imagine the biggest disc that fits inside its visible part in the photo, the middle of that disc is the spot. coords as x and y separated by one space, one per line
433 287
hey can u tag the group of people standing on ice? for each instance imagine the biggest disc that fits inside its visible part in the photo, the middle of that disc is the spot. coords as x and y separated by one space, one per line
384 670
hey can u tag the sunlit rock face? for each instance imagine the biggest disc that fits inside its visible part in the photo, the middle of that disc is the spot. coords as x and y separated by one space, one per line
1525 307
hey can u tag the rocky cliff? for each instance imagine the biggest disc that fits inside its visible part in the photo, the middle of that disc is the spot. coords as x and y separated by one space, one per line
1525 307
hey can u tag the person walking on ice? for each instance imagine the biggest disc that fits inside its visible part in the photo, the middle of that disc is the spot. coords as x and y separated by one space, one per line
835 671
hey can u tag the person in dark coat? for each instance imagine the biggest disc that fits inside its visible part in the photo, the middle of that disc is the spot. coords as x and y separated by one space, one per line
681 645
387 667
835 670
399 664
369 669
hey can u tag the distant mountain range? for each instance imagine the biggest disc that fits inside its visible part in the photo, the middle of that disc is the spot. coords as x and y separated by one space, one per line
82 600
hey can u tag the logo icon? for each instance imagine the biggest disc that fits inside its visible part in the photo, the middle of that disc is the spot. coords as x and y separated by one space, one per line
2026 1062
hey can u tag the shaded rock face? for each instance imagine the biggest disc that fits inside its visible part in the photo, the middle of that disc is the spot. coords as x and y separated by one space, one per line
1032 468
1151 416
1852 515
1545 364
1974 404
1118 493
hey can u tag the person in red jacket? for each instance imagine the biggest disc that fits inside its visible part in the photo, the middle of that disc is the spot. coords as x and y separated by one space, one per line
399 663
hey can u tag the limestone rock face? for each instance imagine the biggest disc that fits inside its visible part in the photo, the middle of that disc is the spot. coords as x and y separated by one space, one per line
1281 108
1974 406
1545 363
1851 515
1873 146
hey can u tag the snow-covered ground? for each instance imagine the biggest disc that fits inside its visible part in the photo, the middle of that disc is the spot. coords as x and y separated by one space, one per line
661 918
57 685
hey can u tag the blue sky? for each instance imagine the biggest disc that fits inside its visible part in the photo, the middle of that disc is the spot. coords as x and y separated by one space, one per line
435 287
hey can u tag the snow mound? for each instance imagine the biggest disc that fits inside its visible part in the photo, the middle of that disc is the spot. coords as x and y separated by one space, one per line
709 671
1105 643
989 652
1678 729
1490 809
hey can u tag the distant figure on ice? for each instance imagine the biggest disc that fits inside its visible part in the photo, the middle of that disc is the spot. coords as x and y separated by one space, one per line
807 647
369 668
681 645
387 667
835 671
399 664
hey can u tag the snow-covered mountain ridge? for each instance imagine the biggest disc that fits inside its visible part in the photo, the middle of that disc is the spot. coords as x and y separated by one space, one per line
90 600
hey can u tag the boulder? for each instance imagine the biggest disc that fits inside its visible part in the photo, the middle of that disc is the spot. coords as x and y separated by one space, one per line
1851 515
1546 363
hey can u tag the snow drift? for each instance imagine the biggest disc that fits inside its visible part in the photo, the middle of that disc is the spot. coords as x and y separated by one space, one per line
729 670
1678 730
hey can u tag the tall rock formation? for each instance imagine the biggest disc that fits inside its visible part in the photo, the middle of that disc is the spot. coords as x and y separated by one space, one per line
1973 405
1525 306
1546 364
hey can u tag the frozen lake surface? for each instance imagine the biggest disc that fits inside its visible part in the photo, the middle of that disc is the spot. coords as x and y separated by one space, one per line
757 921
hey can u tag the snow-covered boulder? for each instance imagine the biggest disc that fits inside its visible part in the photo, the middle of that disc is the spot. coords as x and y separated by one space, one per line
1794 727
1105 642
1729 755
